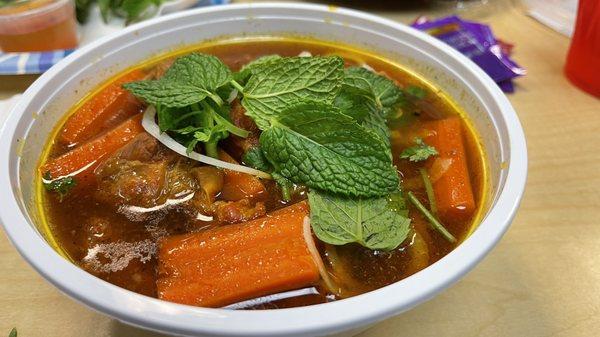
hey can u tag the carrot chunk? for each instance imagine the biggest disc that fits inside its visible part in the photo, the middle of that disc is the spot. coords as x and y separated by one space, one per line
103 111
238 262
81 161
238 185
452 190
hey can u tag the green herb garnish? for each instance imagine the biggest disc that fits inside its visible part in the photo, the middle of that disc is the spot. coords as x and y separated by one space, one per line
244 74
376 223
316 145
188 103
387 95
13 332
288 81
189 80
429 190
61 186
419 152
416 92
435 223
255 158
130 10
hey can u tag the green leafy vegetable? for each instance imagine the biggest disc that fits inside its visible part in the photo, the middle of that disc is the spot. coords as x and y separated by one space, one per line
419 152
189 80
435 223
377 223
255 158
429 190
356 98
61 186
387 94
315 144
290 80
82 9
244 74
416 92
13 332
130 10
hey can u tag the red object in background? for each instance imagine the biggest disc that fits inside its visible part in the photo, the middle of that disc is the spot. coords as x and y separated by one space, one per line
583 60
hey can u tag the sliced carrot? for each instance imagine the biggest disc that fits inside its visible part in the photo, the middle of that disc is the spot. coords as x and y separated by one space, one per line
81 161
234 263
238 185
453 192
107 108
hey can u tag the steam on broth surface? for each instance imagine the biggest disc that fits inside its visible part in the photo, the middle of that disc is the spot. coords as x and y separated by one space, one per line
356 174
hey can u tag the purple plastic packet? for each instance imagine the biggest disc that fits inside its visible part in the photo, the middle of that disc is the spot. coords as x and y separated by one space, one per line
477 42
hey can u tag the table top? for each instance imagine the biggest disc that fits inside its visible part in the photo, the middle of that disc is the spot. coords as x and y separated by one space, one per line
539 281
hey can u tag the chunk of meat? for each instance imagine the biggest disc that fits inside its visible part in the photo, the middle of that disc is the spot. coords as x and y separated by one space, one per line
210 180
145 174
238 211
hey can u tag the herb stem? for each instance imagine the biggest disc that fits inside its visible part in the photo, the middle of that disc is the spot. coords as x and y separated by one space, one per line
229 126
216 98
238 86
429 190
185 116
432 220
210 148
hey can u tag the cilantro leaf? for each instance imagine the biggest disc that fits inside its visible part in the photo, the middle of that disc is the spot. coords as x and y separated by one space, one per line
315 144
290 80
376 223
419 152
188 81
61 186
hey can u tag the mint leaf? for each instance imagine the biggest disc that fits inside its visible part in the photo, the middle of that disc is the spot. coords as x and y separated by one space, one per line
387 94
375 223
244 74
290 80
419 152
189 80
315 144
357 100
255 158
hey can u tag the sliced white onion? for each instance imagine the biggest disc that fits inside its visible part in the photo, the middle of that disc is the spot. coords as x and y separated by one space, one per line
314 252
271 298
152 128
169 203
305 53
368 67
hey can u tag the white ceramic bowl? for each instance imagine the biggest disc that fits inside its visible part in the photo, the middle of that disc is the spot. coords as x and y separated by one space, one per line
27 129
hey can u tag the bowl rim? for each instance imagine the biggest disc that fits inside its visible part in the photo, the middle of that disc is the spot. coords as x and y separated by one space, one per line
151 313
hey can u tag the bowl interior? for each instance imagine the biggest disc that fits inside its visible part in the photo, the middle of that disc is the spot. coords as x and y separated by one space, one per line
46 101
83 75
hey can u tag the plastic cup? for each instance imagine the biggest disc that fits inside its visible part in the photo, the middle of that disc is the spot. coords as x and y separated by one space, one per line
583 61
38 25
